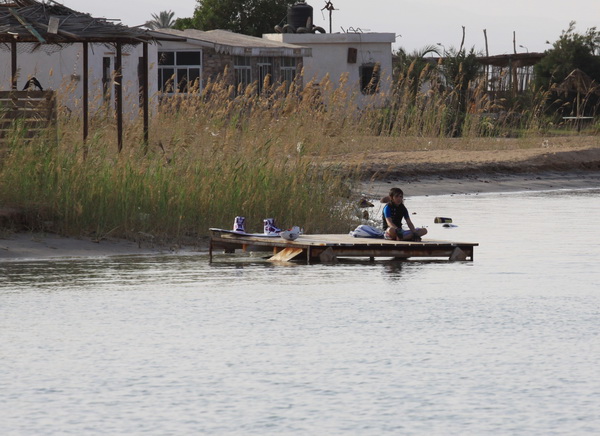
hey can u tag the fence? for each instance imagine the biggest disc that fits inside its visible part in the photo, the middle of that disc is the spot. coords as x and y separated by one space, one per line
27 114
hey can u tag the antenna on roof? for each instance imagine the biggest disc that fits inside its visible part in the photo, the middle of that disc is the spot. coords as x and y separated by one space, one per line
329 6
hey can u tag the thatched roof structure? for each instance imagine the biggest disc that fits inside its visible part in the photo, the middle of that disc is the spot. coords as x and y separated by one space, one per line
515 60
30 25
50 22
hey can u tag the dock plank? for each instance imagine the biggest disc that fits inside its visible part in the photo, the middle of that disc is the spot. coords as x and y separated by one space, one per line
311 247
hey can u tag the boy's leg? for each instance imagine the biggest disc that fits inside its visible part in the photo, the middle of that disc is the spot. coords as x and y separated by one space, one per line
408 235
390 234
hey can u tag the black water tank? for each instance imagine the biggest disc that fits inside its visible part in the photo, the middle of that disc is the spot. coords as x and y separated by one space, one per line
299 14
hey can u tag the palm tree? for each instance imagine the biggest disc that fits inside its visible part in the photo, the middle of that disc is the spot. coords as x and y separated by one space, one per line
164 20
412 70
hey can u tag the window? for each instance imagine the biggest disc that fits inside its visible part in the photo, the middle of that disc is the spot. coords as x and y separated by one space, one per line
243 71
179 71
288 71
369 78
265 72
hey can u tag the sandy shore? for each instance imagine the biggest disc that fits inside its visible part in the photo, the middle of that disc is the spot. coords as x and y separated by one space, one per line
418 173
26 246
484 183
566 164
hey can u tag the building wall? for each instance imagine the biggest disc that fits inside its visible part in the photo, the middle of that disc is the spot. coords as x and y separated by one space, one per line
330 57
215 65
62 71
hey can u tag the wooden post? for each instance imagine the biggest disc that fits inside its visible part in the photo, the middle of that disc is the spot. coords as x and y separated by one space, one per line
145 94
119 94
86 97
462 43
487 54
13 64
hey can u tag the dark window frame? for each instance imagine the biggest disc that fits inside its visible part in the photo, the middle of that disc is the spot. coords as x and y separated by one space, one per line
370 77
177 69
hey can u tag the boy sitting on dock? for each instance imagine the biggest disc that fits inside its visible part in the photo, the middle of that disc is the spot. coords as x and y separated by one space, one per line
393 213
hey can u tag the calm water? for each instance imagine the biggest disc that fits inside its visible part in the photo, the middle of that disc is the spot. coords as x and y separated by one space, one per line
508 344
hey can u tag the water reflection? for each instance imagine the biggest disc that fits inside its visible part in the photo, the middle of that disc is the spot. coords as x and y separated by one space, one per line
393 269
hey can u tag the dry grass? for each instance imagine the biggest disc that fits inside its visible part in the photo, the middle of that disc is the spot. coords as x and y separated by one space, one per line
227 152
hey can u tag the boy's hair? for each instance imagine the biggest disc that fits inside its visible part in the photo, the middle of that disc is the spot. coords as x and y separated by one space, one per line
393 192
396 191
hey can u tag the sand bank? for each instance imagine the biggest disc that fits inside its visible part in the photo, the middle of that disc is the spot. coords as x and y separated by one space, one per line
443 172
25 246
484 183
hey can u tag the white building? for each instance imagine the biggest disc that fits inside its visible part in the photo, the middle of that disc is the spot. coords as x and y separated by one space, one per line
190 55
366 59
178 61
60 68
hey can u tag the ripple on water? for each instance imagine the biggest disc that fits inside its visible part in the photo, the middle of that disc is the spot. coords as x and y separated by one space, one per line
507 344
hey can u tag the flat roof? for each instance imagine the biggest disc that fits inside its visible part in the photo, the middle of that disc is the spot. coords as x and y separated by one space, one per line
224 41
332 38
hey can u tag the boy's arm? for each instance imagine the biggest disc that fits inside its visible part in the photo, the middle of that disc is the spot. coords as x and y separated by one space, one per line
410 224
390 223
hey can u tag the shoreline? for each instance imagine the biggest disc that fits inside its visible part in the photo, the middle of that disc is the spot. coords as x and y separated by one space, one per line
484 183
30 247
26 247
34 246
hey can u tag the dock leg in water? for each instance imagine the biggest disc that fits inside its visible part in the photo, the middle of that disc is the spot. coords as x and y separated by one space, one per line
458 255
328 256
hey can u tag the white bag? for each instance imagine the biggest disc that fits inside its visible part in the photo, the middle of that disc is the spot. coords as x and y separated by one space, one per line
364 231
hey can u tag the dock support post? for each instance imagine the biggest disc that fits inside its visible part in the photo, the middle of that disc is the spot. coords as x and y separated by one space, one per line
458 255
328 256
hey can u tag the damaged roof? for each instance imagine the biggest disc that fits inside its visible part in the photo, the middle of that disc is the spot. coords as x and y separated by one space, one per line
50 22
226 42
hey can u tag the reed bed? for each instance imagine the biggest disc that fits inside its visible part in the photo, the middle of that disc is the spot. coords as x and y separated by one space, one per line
225 152
213 156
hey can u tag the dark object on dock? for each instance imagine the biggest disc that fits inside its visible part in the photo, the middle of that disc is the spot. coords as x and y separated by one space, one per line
327 248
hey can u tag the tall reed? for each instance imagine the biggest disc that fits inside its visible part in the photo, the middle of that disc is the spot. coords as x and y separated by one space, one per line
212 157
222 152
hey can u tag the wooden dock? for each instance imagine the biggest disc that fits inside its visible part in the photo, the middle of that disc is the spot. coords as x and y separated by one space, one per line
327 248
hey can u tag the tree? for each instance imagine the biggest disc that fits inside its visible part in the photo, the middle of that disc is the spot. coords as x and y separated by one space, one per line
412 65
572 51
248 17
164 20
411 71
460 69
